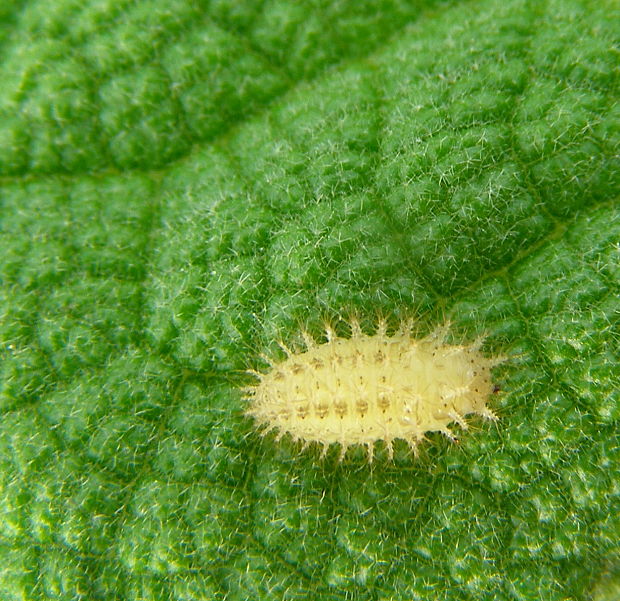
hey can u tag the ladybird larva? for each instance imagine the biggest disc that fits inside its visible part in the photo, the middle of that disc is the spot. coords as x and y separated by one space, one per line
366 388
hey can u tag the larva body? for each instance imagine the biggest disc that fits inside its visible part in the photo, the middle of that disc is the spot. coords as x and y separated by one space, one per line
362 389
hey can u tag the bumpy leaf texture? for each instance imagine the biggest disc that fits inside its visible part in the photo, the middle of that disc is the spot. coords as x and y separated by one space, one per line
184 182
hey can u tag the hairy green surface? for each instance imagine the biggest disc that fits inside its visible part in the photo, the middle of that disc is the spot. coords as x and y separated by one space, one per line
182 183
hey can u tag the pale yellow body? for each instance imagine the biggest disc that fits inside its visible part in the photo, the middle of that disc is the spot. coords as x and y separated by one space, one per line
366 388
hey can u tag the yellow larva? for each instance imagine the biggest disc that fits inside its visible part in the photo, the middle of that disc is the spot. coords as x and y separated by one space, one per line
362 389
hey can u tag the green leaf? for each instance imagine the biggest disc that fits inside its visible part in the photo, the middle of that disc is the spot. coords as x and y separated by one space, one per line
185 183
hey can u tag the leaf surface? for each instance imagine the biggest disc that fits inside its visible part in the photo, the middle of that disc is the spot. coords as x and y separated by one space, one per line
183 184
